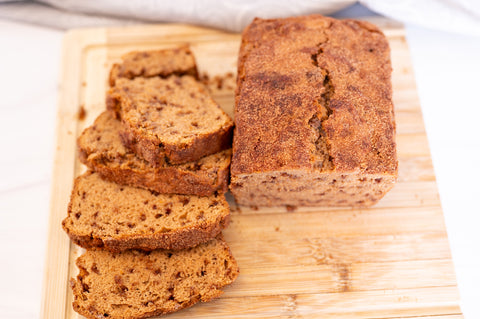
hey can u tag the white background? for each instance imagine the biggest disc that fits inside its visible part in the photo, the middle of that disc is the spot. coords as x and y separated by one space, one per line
447 69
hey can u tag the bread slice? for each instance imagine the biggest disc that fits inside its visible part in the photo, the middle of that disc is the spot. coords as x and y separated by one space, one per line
179 61
314 115
101 149
116 217
172 120
136 284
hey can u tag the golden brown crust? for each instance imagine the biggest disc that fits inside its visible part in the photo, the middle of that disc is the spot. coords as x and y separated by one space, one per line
120 223
313 100
100 149
163 63
281 88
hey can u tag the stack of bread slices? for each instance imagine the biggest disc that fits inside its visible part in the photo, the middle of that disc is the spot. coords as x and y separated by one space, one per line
151 207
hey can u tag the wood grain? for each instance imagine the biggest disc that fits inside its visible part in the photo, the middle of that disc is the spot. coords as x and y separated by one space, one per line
388 261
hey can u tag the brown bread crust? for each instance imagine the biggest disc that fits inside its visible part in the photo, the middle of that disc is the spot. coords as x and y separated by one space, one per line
313 98
141 105
167 180
203 145
151 284
174 240
163 63
101 149
91 225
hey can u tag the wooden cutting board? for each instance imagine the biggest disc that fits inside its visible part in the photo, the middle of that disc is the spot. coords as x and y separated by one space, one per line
388 261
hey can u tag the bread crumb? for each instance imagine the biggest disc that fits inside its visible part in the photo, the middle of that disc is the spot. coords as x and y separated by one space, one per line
291 208
82 113
220 82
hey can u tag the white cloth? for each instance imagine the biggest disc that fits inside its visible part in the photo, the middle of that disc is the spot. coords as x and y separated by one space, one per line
232 15
461 16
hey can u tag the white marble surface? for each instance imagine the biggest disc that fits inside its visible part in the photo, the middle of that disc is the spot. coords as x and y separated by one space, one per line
447 71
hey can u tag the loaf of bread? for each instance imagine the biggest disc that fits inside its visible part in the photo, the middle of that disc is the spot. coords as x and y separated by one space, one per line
101 149
172 120
163 63
116 217
314 114
136 284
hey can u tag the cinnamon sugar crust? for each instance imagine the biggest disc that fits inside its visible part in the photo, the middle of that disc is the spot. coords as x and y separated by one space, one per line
314 102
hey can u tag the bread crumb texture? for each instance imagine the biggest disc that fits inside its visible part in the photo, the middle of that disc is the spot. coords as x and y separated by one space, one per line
136 284
146 64
116 217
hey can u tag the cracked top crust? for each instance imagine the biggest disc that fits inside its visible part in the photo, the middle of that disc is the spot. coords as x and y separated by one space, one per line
314 93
